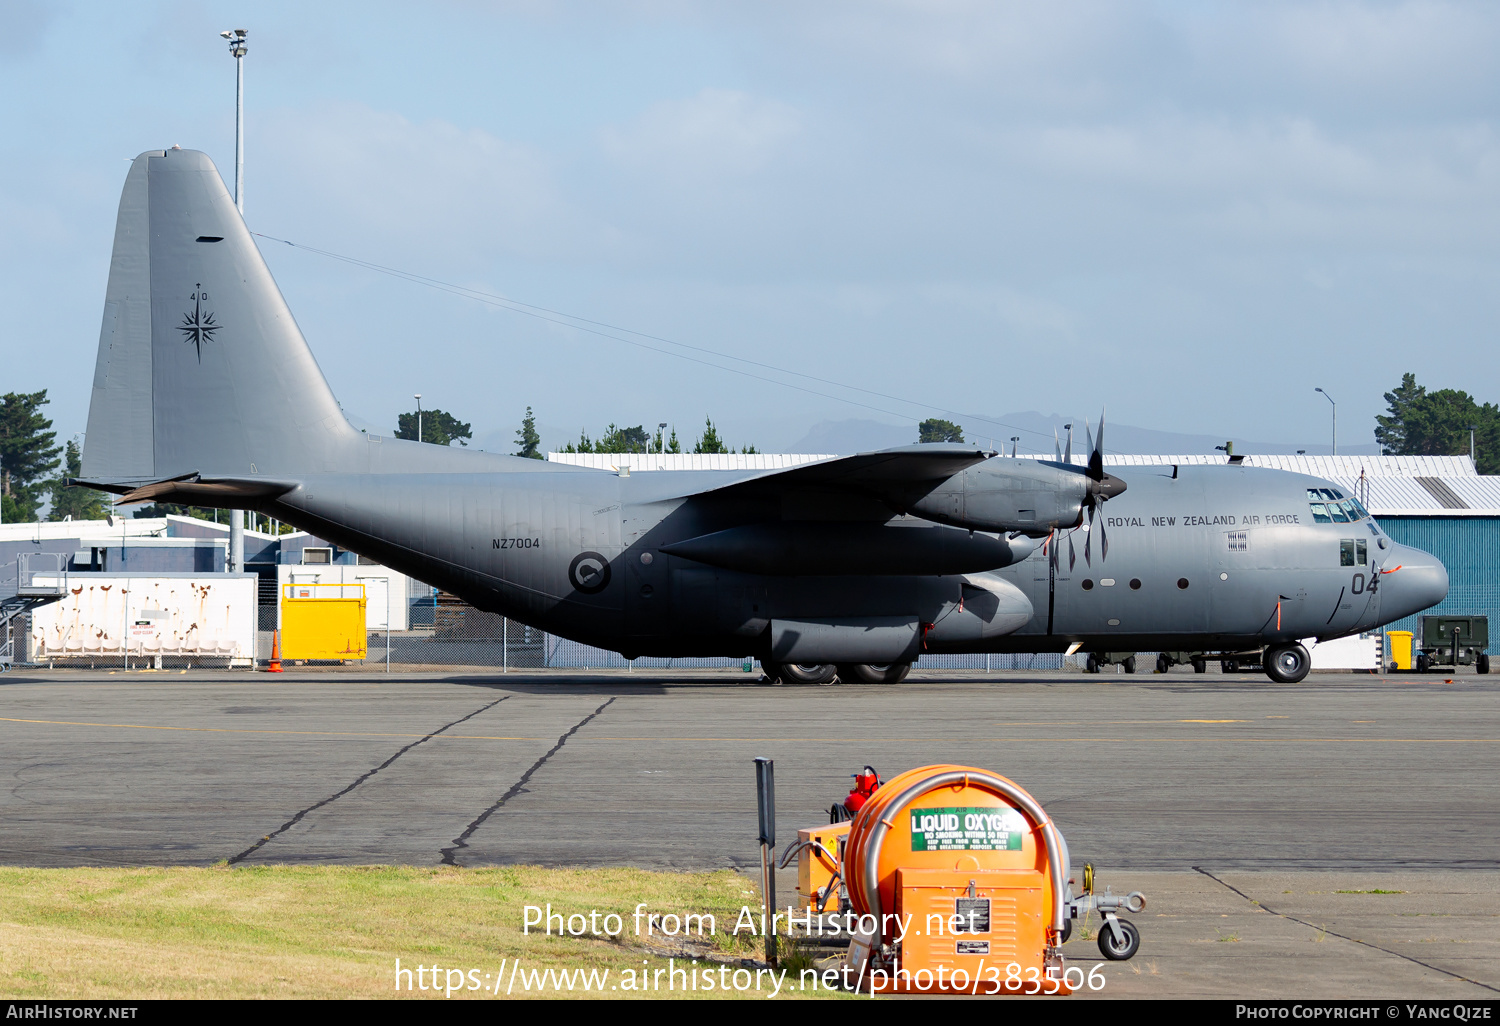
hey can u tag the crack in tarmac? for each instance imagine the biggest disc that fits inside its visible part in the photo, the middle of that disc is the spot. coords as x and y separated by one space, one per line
359 780
450 853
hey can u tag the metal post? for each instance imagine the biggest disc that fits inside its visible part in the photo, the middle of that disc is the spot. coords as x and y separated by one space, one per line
765 800
505 644
1335 420
239 130
388 622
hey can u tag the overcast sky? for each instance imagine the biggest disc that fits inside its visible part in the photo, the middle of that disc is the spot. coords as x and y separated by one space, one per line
1191 212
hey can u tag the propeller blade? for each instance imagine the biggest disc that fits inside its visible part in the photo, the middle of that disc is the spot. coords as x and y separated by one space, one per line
1072 556
1068 456
1096 455
1103 542
1056 445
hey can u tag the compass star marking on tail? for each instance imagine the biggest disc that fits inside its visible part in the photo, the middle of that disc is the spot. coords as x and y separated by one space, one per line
198 327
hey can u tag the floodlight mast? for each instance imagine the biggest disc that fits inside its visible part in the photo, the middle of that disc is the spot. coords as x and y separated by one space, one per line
237 50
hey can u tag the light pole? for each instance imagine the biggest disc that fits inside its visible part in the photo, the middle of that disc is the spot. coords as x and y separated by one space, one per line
419 416
661 434
237 50
1335 420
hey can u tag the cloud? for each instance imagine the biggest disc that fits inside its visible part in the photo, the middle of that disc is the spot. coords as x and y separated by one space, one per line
23 24
715 134
344 170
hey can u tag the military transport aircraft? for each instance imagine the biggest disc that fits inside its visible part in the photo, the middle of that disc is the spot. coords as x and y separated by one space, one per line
206 392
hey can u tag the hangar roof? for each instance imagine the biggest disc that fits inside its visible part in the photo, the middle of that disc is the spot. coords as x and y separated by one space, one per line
1387 485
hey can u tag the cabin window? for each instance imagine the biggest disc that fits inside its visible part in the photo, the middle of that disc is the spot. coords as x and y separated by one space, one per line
1361 552
1239 541
1346 552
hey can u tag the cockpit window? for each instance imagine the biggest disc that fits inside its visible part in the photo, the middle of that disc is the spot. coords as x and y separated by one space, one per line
1330 507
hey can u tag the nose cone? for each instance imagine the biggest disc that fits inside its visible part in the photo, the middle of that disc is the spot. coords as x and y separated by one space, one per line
1420 583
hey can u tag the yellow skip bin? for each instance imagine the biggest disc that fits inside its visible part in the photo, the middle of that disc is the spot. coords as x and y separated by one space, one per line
323 621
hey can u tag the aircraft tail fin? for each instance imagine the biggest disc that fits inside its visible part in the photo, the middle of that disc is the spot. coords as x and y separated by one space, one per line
201 367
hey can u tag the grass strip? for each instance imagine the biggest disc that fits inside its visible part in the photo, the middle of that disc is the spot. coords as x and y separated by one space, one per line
337 931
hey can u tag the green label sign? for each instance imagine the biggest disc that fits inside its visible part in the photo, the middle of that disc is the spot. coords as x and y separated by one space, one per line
967 829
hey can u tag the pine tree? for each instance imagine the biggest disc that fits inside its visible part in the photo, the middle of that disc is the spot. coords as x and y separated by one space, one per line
28 454
72 501
935 430
438 427
710 442
527 438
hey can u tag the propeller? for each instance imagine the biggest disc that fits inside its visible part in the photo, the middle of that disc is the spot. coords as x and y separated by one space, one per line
1102 488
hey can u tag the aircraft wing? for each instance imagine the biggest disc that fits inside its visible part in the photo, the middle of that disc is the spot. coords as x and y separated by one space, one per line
903 470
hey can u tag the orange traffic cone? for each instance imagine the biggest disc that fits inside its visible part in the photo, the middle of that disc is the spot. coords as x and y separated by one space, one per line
275 665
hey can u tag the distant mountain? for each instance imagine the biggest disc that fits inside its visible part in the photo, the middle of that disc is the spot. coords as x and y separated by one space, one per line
1035 431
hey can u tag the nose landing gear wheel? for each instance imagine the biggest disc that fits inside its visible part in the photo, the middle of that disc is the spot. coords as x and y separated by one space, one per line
1287 664
1113 949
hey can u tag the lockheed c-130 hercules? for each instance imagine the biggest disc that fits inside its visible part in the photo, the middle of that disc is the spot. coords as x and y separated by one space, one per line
206 392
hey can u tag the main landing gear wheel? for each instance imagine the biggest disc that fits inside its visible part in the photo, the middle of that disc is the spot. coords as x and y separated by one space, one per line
1092 666
801 673
1129 664
1200 665
1163 663
1287 664
1113 949
873 673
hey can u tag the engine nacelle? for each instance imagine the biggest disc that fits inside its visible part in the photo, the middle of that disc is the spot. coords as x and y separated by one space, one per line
1032 497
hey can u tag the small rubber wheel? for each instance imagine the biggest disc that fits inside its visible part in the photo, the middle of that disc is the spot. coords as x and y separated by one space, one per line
1482 664
1200 666
1163 663
1129 664
873 673
1422 662
1113 950
1067 932
1092 666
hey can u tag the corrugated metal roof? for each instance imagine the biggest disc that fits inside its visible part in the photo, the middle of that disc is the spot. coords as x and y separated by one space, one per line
1337 467
686 460
1390 486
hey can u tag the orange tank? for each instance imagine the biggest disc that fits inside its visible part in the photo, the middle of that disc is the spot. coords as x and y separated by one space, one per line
959 875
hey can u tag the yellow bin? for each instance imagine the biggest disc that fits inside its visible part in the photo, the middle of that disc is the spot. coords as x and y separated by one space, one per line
1399 644
323 621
